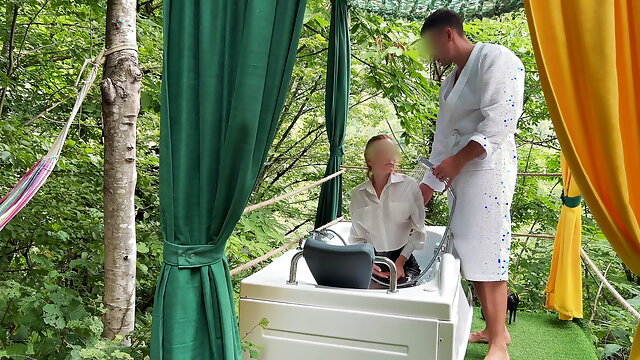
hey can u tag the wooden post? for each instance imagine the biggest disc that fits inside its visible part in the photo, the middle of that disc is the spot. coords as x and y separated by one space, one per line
120 106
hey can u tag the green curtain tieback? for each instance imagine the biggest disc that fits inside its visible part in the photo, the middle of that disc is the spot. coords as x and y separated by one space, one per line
336 151
571 201
192 256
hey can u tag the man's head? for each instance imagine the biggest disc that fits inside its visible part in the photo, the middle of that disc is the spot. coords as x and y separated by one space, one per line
441 32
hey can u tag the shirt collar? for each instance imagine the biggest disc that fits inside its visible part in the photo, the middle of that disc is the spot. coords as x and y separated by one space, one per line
394 178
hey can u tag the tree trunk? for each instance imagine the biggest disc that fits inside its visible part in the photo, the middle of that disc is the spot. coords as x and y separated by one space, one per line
8 49
120 106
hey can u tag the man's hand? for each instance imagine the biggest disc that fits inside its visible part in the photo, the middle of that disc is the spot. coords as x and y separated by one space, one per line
448 169
451 167
400 266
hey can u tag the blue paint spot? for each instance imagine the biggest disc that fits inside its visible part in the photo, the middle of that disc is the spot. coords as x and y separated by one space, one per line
498 261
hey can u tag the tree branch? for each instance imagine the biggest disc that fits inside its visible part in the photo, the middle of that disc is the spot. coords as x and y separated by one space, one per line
313 53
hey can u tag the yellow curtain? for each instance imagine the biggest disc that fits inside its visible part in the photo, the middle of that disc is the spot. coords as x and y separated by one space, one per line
588 55
564 289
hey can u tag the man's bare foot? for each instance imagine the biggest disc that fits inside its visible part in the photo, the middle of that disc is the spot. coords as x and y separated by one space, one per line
497 352
482 337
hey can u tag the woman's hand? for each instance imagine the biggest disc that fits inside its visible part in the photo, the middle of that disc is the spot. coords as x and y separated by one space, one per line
400 266
378 272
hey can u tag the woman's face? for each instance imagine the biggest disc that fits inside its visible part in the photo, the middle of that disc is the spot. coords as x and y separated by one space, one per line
382 156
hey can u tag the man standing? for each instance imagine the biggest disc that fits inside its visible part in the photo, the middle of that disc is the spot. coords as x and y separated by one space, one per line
474 150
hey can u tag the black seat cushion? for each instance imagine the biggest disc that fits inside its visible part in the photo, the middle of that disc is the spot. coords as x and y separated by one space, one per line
340 266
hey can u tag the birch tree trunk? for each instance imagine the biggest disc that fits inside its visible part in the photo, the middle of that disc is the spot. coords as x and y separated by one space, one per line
120 106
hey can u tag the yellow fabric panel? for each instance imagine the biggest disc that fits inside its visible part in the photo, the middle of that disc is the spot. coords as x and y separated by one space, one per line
588 55
564 289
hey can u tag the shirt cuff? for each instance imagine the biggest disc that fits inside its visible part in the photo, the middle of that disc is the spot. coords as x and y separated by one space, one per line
407 250
482 140
430 180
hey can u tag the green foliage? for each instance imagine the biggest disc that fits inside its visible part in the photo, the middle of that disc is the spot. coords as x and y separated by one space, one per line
251 348
51 254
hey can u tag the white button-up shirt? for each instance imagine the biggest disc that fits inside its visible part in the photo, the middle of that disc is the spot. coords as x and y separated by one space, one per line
394 220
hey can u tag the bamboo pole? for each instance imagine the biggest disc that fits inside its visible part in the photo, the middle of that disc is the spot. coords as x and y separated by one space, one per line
349 167
593 267
610 287
543 236
275 252
292 193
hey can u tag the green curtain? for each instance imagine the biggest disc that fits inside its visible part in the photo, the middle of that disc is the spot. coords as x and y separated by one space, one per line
227 67
336 108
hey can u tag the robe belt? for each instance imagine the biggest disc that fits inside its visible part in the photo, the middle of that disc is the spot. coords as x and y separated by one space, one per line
192 256
571 201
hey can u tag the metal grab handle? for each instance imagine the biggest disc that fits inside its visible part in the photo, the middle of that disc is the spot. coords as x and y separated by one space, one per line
393 273
294 268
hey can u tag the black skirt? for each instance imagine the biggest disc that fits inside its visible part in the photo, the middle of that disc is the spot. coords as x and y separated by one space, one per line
411 267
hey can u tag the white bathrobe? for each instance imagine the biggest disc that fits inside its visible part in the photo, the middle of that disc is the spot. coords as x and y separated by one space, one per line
483 105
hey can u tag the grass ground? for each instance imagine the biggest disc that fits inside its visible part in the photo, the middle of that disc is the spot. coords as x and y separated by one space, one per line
539 337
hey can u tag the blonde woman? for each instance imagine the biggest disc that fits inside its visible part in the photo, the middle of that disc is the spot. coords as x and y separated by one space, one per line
387 211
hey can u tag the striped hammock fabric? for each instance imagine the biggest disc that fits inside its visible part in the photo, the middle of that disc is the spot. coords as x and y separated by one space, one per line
25 189
32 181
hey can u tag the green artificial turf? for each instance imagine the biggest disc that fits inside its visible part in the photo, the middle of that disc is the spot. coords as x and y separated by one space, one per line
539 337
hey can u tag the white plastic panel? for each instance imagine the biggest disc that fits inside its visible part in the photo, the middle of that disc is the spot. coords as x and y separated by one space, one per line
313 333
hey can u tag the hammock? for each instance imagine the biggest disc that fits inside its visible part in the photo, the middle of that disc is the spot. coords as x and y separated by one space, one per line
32 181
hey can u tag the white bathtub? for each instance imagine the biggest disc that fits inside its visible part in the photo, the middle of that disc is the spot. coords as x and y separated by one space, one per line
311 322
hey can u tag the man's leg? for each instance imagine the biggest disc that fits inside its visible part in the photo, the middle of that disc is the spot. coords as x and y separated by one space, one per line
482 336
495 309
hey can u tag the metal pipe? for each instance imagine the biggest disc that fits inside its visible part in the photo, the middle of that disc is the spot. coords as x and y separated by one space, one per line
393 273
344 242
294 268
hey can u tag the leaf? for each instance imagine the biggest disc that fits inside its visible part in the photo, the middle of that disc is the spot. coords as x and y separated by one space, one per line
395 50
53 316
76 311
145 100
17 349
635 301
143 248
308 15
322 21
48 345
611 349
264 322
413 54
6 156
